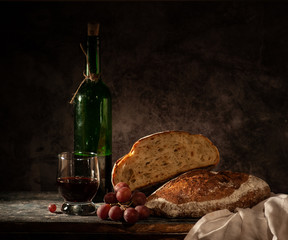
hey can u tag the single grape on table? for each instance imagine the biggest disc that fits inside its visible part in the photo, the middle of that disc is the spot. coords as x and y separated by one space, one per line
52 208
124 205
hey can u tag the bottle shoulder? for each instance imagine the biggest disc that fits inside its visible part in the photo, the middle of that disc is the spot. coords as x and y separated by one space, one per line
102 85
94 87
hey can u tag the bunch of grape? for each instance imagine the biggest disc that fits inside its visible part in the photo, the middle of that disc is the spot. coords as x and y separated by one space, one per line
123 204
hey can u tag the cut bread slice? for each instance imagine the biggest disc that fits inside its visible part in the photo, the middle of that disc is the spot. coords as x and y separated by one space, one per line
159 157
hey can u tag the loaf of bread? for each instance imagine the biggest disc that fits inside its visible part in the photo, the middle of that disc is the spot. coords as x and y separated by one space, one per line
196 193
161 156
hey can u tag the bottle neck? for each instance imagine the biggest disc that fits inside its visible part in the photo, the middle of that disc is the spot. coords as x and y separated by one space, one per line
93 53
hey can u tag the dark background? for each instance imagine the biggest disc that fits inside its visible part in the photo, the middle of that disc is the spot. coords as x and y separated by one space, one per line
216 68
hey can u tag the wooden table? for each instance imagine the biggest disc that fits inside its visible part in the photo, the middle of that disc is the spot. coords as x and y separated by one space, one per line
25 215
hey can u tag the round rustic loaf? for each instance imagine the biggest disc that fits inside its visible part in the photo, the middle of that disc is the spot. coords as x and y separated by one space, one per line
196 193
161 156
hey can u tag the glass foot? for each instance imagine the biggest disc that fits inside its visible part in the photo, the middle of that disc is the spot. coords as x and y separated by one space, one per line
82 209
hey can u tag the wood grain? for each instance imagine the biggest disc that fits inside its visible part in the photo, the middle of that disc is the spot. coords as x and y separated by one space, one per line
26 213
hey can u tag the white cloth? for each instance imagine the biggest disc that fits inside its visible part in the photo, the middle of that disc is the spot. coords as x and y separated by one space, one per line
268 220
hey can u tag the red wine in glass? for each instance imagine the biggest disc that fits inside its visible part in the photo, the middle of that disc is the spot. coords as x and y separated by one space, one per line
77 189
78 182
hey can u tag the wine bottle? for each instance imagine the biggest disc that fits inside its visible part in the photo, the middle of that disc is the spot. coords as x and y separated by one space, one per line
93 114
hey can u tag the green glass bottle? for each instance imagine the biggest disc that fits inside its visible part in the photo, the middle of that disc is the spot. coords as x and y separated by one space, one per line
93 114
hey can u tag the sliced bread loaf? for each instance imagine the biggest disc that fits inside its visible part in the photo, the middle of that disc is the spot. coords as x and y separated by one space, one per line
161 156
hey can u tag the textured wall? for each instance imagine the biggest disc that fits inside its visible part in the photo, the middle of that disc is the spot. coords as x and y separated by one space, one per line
214 68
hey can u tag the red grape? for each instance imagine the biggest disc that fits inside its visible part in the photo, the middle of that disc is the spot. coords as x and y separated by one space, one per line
120 185
110 198
102 211
123 198
144 212
138 198
123 194
52 208
131 215
115 213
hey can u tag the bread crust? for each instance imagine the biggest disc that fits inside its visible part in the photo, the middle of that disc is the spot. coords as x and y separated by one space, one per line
162 156
196 193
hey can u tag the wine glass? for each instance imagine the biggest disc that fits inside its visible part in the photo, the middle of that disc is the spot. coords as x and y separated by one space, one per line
78 181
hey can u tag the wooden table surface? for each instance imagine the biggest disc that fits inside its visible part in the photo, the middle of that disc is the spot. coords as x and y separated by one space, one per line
25 215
